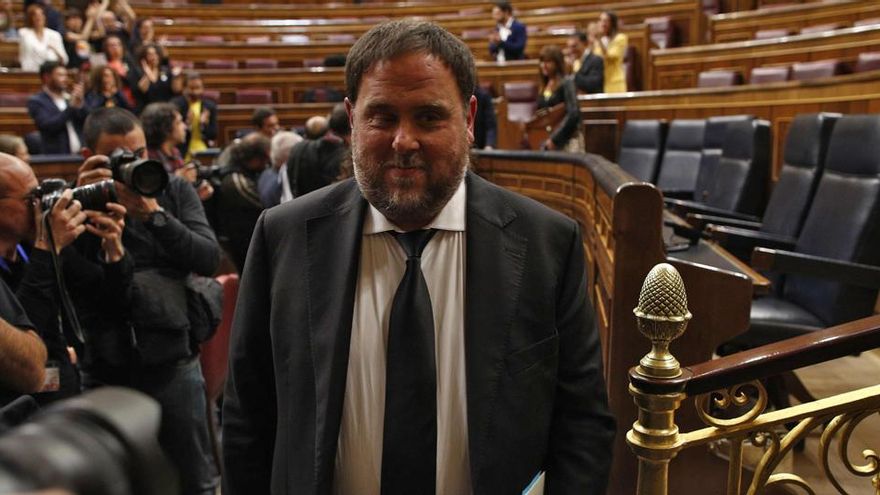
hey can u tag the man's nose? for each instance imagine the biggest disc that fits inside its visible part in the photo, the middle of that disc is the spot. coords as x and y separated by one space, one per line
405 139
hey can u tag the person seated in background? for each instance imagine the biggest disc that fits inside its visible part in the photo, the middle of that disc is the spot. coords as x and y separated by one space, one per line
559 89
200 115
315 163
104 90
7 22
508 41
611 46
273 180
587 68
119 60
37 43
151 82
144 34
265 121
164 130
238 201
15 146
58 115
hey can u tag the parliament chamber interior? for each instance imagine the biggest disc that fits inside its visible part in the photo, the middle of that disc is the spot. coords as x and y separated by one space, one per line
742 150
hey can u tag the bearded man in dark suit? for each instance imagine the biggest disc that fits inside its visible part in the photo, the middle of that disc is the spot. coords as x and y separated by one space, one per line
415 329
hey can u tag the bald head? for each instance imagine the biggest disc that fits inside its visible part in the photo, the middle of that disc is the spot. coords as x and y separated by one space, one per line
16 177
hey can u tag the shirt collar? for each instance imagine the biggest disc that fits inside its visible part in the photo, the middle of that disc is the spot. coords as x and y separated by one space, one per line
451 217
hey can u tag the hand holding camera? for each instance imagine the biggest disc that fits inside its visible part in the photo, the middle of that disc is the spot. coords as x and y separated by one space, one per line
65 219
108 226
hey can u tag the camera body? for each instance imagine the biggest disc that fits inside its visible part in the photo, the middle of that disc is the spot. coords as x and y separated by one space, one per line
144 176
92 196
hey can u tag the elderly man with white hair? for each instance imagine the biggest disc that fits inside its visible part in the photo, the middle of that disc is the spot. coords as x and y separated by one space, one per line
273 185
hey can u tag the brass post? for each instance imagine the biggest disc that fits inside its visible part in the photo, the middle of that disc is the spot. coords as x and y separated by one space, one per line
662 316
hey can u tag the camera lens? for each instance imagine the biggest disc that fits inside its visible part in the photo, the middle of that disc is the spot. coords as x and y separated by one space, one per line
148 177
96 196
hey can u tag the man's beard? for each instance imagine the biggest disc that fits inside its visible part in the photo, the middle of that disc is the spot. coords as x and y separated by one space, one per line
401 201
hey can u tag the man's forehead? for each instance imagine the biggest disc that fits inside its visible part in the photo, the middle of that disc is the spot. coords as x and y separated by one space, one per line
107 143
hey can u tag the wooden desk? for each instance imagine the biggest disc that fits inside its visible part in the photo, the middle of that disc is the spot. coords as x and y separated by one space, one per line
742 26
620 220
679 67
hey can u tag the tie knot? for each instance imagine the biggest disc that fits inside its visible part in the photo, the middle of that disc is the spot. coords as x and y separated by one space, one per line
414 242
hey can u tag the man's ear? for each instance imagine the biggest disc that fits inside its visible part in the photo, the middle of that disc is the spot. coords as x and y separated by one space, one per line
349 109
471 115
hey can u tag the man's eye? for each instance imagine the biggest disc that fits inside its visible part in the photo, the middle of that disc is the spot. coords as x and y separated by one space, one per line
382 119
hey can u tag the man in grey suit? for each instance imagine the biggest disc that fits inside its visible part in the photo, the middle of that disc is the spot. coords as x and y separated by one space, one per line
415 329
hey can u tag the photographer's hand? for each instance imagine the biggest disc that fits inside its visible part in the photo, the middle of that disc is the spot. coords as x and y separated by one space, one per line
138 206
108 226
65 219
94 169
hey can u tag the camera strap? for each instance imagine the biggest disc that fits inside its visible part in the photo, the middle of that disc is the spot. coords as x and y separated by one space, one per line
66 303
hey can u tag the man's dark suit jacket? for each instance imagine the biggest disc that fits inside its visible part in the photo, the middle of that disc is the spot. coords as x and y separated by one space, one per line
209 130
590 78
535 392
515 46
52 123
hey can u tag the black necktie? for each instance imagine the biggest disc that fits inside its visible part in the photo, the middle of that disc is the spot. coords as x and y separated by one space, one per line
409 450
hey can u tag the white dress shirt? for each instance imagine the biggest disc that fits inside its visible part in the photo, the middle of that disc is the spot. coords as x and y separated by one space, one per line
382 265
33 51
503 33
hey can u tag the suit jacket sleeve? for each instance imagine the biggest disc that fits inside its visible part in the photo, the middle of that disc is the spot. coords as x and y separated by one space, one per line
582 430
515 44
249 405
590 78
569 125
46 115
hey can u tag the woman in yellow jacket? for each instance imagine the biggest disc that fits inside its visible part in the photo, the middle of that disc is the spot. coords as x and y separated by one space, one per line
612 48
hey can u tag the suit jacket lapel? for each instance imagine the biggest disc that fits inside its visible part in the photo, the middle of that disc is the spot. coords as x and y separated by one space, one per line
495 262
333 243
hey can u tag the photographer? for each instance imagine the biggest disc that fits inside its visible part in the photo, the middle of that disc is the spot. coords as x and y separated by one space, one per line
168 238
31 273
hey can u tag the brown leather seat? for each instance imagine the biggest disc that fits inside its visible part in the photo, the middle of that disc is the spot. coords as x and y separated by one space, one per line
719 79
761 75
253 96
216 63
261 63
805 71
868 61
663 32
821 28
522 100
764 34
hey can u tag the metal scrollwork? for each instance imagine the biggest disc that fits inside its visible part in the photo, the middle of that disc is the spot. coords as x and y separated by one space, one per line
721 400
789 479
845 424
777 449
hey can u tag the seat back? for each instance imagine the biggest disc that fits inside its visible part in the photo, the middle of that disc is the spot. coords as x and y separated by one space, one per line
713 140
743 170
217 63
681 155
522 100
762 75
14 99
868 61
719 78
802 166
631 72
805 71
214 355
261 63
662 31
821 28
641 147
764 34
843 222
253 96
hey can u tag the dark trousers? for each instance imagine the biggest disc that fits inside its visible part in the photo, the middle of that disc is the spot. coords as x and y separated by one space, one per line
180 390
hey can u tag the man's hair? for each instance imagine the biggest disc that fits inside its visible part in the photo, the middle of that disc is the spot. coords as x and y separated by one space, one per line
191 75
252 146
282 142
46 68
113 121
338 121
504 7
261 114
316 127
9 143
394 38
581 36
158 123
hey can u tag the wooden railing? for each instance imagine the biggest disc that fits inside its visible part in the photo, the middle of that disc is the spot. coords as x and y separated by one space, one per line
620 219
730 400
742 26
674 68
776 102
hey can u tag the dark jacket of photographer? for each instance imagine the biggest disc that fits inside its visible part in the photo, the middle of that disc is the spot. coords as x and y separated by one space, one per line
157 330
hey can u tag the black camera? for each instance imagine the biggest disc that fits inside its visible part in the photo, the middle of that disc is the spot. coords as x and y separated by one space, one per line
92 196
100 443
143 176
